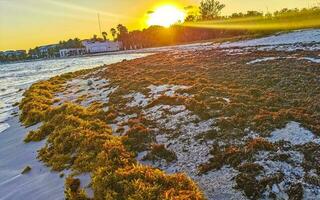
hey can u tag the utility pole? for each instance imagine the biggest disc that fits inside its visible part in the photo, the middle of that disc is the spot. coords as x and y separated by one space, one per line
99 24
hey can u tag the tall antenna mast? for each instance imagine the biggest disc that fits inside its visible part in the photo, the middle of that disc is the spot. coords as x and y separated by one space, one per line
99 24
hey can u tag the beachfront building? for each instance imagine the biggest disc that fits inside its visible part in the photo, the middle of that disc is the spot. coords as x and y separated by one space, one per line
100 47
46 51
12 53
71 52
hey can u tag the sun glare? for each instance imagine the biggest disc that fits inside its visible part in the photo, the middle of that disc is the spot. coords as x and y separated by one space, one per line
166 16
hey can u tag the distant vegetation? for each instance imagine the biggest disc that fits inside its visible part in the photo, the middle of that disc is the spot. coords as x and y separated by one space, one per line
51 52
9 57
48 51
206 23
255 21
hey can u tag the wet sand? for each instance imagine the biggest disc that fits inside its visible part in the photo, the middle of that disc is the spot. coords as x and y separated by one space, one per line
40 183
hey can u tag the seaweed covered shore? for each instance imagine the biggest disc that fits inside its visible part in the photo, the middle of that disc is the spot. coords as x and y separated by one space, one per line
80 139
207 123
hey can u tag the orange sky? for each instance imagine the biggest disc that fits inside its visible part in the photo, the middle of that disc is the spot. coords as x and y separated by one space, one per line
30 23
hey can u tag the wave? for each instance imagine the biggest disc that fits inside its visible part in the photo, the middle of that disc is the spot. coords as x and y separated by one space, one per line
3 127
30 73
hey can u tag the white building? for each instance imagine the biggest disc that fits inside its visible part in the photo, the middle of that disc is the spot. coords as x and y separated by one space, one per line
71 52
99 47
45 49
12 53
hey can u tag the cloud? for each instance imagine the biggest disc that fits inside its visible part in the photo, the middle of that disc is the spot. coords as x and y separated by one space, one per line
30 6
83 9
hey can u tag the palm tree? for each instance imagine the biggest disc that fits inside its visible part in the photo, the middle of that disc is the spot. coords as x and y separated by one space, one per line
113 33
94 38
104 35
123 30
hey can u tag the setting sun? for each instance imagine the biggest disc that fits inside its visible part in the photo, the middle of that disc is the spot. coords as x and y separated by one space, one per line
166 16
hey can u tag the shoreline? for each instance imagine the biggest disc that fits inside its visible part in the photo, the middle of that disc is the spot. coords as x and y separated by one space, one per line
154 49
18 77
40 183
174 108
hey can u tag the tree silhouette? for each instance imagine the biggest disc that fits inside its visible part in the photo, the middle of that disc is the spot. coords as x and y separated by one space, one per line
122 33
210 9
113 33
122 30
190 18
94 38
104 35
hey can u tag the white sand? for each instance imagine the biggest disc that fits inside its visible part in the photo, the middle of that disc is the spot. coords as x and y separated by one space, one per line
306 40
262 60
314 60
303 36
293 133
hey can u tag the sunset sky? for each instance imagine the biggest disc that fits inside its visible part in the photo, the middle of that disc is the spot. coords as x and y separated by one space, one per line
28 23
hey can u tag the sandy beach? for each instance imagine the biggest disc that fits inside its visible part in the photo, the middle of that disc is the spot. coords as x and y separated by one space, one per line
15 156
229 116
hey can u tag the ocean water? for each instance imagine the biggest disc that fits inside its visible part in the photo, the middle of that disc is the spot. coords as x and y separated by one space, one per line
15 78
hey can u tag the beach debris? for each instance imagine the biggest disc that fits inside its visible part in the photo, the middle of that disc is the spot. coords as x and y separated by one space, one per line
90 82
26 170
